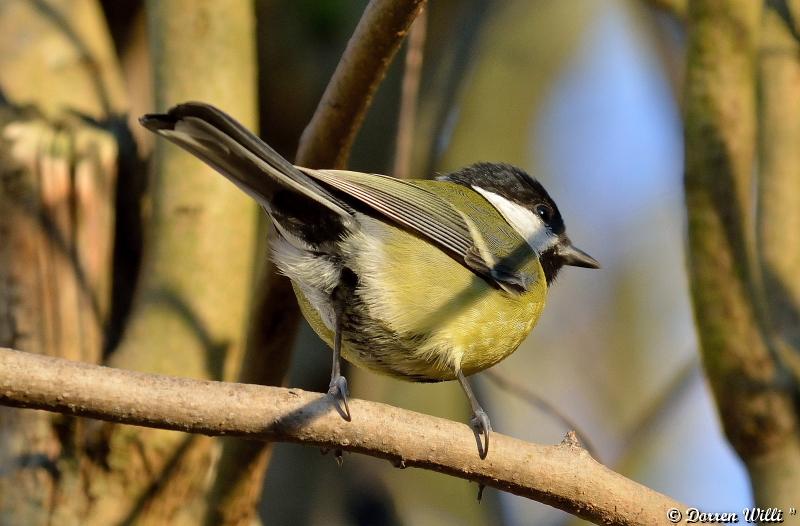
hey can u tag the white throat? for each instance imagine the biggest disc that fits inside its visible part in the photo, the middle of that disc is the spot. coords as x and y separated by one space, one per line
527 224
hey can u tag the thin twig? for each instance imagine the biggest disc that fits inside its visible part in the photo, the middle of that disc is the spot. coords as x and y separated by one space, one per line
666 399
327 139
564 476
529 397
409 94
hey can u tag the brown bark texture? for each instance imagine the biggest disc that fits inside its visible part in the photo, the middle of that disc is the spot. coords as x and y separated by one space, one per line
196 276
61 98
564 476
326 142
743 266
64 135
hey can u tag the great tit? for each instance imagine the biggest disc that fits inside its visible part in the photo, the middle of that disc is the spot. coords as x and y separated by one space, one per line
422 280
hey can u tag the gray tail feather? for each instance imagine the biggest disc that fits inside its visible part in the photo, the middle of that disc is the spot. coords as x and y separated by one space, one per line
238 154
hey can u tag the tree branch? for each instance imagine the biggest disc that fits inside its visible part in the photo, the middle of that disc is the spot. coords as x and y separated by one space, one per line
775 476
327 139
563 476
535 401
196 277
720 147
409 97
778 221
757 404
63 143
325 143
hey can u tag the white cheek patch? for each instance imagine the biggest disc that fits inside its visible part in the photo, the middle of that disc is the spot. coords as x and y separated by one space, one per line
527 224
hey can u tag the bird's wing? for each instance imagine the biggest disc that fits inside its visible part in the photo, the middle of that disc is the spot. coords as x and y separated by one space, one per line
242 157
238 154
411 205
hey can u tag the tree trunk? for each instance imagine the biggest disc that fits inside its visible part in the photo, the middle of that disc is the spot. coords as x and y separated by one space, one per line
56 195
57 178
741 324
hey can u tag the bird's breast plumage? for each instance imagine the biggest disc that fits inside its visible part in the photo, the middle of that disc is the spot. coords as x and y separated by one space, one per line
418 314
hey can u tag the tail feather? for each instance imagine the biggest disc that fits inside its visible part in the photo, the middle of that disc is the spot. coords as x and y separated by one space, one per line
238 154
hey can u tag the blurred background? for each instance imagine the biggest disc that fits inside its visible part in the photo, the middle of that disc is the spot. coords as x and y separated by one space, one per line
584 95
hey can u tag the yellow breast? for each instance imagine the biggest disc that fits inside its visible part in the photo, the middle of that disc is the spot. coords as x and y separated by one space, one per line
431 314
414 288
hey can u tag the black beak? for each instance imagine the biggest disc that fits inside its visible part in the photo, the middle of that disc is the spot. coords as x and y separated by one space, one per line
576 257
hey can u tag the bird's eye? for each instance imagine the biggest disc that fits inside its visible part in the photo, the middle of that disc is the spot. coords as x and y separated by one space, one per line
544 211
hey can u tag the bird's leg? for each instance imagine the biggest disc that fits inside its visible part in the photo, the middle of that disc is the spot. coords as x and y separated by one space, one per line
479 420
338 385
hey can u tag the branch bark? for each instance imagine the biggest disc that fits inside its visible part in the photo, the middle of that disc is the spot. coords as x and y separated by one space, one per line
325 143
62 144
327 140
755 400
409 97
563 476
776 475
778 220
197 270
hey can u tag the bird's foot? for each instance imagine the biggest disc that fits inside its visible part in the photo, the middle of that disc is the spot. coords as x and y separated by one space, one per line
480 423
338 390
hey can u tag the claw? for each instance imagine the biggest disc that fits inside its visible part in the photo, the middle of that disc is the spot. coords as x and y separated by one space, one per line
480 423
480 420
338 390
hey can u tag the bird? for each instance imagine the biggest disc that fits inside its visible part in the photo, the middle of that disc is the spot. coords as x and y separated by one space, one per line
424 280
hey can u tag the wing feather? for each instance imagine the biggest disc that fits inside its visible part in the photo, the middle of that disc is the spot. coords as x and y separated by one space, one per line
413 207
423 212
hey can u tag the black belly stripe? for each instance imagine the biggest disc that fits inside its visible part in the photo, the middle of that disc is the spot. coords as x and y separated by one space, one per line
374 342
